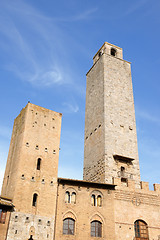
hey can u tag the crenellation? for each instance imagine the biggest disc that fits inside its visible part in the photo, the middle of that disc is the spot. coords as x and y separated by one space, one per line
156 187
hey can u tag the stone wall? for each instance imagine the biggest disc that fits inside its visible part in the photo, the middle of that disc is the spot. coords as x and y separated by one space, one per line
23 225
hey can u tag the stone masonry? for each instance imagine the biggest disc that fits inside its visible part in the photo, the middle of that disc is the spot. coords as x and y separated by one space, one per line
110 129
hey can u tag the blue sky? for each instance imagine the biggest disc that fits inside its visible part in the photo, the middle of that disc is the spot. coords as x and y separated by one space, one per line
46 48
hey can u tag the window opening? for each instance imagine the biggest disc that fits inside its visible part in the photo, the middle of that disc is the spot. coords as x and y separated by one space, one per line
99 201
100 54
67 197
7 179
35 196
68 226
122 171
141 230
48 223
73 197
39 164
3 214
113 52
39 221
96 229
43 180
93 200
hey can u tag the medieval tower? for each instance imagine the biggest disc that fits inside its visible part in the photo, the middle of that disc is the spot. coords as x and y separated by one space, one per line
111 203
110 130
31 172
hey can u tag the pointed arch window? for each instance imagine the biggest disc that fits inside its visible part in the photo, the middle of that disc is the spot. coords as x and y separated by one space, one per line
35 197
96 229
141 230
68 226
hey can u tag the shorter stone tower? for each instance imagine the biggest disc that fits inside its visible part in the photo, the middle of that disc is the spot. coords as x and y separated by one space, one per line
110 149
30 178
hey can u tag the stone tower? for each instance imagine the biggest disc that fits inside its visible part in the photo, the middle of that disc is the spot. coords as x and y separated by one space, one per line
110 149
30 178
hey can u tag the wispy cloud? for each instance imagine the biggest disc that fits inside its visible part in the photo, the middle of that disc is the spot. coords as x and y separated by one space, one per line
36 46
147 116
70 108
135 6
86 15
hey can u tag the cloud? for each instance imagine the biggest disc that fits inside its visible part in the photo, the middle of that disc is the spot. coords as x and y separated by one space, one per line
86 15
135 6
36 47
70 108
147 116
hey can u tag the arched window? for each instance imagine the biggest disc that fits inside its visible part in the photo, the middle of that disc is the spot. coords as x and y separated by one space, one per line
35 197
113 52
38 163
93 200
73 197
67 197
96 229
141 230
68 226
99 201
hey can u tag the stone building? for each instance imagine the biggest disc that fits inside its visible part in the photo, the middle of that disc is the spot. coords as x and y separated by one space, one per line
111 202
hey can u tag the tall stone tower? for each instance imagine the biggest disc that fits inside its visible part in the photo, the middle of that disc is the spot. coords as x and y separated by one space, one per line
30 178
110 149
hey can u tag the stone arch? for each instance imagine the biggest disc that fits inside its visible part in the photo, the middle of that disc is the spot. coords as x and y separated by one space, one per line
70 214
141 230
70 195
96 197
71 189
97 217
96 193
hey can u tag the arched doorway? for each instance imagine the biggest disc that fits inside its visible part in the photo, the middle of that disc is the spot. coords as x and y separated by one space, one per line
141 230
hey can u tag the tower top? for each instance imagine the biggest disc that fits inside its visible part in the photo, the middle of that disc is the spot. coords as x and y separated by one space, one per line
109 49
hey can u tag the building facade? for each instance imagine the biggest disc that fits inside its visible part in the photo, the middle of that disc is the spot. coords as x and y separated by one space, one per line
111 202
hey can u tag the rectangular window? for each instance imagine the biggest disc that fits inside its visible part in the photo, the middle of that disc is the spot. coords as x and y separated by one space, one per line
3 214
